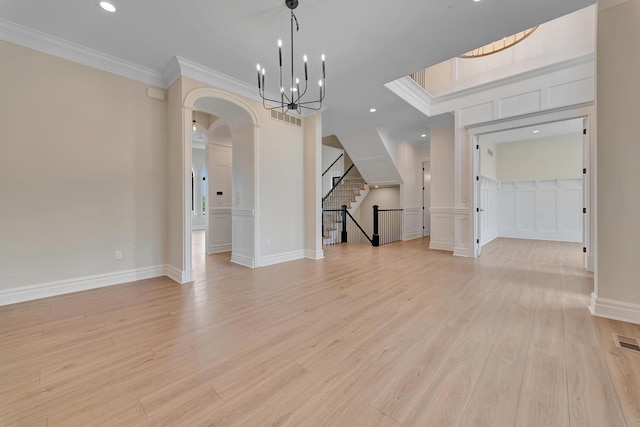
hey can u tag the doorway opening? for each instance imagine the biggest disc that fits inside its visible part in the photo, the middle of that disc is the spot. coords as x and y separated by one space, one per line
230 127
532 182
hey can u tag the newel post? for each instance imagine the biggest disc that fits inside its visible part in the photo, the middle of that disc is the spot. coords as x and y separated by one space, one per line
344 224
376 236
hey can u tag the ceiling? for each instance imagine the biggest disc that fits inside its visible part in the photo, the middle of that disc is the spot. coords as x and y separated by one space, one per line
367 43
547 130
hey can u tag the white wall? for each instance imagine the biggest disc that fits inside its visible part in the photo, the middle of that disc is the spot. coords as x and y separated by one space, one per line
83 172
617 292
566 37
442 188
541 210
329 155
558 157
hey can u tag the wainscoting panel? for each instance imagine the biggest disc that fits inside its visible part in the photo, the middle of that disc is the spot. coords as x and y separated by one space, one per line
442 229
412 223
220 226
242 226
545 210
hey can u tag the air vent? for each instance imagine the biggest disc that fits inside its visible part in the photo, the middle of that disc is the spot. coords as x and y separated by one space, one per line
627 343
287 118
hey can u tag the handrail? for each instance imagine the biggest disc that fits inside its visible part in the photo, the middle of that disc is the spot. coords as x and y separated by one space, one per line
356 223
390 210
337 183
334 162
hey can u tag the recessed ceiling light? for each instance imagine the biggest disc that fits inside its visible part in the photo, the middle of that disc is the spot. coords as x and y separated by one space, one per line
536 131
109 7
373 110
424 135
476 1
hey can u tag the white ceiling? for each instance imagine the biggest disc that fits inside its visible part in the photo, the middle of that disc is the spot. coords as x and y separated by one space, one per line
547 130
367 43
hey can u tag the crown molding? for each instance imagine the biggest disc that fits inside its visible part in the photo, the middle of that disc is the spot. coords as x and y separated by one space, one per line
407 89
32 39
181 67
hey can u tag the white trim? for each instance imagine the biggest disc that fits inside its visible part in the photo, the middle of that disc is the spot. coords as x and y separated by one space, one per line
440 246
613 309
36 40
412 93
281 257
242 260
175 274
182 67
217 249
412 235
315 255
50 289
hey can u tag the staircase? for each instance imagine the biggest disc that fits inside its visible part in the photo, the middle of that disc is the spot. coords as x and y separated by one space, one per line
350 191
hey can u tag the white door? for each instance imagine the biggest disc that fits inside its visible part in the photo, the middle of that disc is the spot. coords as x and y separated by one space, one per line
585 196
426 198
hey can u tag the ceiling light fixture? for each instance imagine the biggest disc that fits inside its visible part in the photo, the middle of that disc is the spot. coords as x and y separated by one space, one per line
536 131
291 100
424 135
109 7
373 110
193 121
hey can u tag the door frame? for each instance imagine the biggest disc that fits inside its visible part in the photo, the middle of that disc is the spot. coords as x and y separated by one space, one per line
586 112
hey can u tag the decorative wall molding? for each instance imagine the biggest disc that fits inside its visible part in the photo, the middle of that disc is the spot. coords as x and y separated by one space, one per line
60 287
489 204
281 257
442 226
45 43
613 309
412 223
542 210
182 67
219 248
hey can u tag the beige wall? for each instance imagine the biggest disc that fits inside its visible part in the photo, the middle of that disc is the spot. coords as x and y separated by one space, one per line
558 157
82 171
618 153
333 141
385 198
488 162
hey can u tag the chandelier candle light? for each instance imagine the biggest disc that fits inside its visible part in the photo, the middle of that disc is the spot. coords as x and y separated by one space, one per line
291 100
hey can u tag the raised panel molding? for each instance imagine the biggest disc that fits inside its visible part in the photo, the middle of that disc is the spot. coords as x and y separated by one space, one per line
220 230
520 104
544 210
242 241
412 223
442 228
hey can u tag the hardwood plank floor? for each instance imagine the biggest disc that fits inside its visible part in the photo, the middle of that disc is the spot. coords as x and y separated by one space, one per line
393 336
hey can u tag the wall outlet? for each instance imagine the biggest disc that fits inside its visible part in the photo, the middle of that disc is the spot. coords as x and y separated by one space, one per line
118 254
268 242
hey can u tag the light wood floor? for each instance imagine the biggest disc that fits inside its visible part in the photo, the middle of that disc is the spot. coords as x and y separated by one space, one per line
392 336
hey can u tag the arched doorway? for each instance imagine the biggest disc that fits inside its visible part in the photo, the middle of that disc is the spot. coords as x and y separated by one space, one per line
243 123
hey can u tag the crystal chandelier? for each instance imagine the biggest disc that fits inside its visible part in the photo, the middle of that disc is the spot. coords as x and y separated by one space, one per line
291 97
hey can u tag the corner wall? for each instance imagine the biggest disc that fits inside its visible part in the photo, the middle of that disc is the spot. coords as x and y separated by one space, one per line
617 292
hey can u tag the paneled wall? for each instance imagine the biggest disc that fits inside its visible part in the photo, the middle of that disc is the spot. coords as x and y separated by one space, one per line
542 210
219 198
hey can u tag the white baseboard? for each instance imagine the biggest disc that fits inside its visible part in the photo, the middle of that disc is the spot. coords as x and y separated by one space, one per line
316 255
613 309
216 249
463 252
176 274
441 246
411 236
43 290
242 260
489 238
282 257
